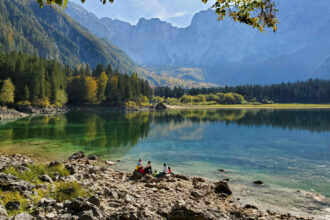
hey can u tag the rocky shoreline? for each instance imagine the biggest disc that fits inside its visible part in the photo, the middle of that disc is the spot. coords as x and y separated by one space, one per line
20 112
113 194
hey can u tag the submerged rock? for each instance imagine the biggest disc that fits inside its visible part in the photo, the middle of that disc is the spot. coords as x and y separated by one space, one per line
258 182
110 163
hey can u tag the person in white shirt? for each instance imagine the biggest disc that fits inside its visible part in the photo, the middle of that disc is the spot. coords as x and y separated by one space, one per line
165 169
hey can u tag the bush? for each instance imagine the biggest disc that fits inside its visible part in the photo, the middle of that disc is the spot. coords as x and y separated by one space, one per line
199 98
157 99
68 191
211 97
42 103
61 98
24 103
186 99
172 101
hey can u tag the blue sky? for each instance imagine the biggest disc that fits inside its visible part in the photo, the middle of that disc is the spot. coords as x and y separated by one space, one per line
177 12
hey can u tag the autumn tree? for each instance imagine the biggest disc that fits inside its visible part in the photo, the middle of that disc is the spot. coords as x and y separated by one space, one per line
7 93
91 90
256 13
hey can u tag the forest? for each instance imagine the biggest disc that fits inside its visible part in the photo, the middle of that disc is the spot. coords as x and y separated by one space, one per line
30 80
314 91
27 80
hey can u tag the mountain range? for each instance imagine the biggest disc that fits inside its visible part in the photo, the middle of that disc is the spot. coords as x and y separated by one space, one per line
50 33
225 52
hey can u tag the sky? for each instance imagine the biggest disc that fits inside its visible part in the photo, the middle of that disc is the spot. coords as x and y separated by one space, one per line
177 12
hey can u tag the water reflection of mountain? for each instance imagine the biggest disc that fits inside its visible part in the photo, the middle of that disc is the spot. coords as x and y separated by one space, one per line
315 120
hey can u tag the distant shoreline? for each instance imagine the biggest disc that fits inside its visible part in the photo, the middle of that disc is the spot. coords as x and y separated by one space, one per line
242 106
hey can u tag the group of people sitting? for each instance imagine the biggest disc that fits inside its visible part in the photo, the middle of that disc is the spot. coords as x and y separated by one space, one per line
148 169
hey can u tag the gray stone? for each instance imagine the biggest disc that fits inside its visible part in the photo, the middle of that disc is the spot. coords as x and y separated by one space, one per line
94 200
222 187
86 215
23 216
45 178
3 212
197 194
77 155
46 202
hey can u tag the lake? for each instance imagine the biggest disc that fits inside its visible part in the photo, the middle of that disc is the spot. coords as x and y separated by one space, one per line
289 150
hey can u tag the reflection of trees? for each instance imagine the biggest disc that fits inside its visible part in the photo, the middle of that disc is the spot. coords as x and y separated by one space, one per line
313 120
118 132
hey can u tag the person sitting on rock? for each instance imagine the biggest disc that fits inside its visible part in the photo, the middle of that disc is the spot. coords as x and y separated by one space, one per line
139 165
148 168
165 171
169 170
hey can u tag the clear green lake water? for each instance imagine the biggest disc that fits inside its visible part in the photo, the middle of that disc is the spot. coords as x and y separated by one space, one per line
287 149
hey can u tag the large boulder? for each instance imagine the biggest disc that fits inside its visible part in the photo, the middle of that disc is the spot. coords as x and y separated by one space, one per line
223 188
160 106
137 175
9 182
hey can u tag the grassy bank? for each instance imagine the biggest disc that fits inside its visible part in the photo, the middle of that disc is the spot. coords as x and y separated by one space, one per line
280 106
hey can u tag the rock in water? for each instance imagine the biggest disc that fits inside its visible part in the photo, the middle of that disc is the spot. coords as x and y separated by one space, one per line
222 187
258 182
92 157
110 163
77 155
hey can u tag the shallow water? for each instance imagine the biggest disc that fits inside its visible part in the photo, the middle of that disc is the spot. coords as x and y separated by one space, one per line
288 150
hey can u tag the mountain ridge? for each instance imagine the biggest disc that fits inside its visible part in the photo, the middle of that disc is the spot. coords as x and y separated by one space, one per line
229 52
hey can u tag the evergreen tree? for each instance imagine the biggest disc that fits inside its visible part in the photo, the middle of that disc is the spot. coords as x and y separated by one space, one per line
102 85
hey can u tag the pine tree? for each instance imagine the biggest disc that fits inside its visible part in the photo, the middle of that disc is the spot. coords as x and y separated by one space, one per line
102 85
26 94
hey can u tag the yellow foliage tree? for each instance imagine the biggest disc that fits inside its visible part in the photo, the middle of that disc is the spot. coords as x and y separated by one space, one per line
7 93
91 90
